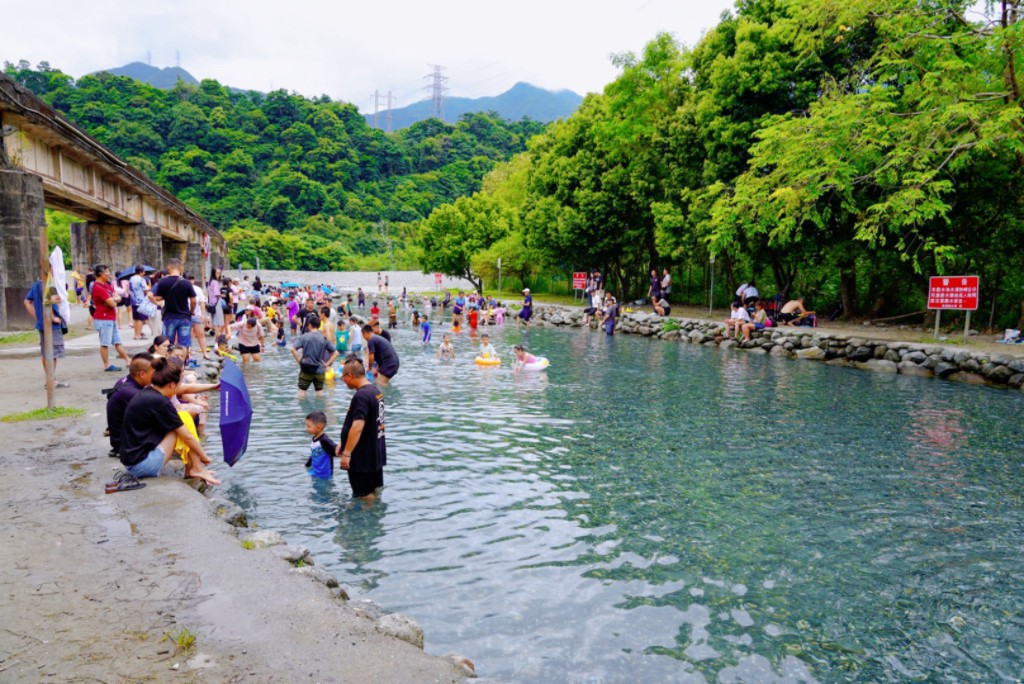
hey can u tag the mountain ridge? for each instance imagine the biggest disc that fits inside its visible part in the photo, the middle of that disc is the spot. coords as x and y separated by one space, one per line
521 100
164 78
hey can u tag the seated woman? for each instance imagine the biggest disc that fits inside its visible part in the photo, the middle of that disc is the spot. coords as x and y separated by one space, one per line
758 322
661 306
152 427
737 318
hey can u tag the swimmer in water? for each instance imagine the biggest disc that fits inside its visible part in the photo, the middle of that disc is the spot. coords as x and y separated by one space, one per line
486 348
522 358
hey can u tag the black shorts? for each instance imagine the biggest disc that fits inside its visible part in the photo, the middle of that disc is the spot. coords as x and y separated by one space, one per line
243 349
388 372
364 484
136 316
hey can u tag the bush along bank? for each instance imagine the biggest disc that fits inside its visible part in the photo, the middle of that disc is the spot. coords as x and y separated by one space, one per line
880 356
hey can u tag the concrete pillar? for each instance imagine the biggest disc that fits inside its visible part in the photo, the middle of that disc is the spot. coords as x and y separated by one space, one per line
21 218
118 245
174 250
194 261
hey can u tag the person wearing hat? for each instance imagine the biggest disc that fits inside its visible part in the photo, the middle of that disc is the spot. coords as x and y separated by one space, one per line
527 311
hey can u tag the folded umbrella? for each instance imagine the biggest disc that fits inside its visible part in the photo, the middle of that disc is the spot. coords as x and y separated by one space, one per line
235 412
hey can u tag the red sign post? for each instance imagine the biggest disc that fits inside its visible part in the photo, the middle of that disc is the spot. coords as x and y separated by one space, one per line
579 280
437 279
956 293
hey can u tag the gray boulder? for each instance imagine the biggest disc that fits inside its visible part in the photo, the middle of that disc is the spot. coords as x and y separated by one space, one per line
876 366
264 539
293 553
915 357
230 512
1016 381
862 353
910 368
779 350
997 373
813 353
368 608
317 574
944 370
401 627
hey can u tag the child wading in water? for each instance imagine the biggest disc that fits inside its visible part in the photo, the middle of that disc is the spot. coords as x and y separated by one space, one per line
446 352
321 450
425 327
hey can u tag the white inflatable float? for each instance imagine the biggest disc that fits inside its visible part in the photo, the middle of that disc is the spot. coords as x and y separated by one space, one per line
540 364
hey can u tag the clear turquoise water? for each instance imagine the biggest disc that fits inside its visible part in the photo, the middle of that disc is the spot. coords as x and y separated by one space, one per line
649 511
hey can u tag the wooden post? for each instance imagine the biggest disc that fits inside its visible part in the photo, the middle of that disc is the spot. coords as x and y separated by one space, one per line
44 276
938 317
967 325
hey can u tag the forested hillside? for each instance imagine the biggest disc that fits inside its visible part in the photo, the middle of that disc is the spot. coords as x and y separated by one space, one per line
839 150
301 183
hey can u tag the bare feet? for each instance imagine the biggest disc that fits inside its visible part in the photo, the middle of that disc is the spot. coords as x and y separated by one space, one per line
208 476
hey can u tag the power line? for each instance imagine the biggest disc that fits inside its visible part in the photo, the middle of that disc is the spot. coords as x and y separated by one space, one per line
390 100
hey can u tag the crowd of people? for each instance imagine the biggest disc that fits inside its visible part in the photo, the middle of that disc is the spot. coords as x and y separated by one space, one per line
158 410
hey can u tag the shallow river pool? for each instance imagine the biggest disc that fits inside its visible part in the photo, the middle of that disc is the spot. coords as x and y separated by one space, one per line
651 511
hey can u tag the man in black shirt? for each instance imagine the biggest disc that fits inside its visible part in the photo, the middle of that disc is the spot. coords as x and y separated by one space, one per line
362 448
380 352
179 298
140 371
152 428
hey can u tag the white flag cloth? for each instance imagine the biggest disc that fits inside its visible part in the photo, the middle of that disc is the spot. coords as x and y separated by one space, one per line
60 281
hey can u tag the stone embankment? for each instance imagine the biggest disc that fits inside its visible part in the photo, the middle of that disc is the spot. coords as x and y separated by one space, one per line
881 356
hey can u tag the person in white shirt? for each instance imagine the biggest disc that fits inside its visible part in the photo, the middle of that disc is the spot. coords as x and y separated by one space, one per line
750 294
737 318
199 316
666 284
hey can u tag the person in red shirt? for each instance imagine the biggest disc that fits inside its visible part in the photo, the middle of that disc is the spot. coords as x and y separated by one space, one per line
104 321
473 318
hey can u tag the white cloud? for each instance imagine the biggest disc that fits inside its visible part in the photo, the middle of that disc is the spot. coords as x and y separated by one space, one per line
346 50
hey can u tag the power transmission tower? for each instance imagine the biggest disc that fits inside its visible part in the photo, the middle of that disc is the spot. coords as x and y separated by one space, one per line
149 57
377 97
438 90
177 58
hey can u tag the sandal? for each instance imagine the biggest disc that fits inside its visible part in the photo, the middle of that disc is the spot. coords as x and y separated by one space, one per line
124 482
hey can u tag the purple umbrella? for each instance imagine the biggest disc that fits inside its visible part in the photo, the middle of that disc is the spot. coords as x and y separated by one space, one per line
235 412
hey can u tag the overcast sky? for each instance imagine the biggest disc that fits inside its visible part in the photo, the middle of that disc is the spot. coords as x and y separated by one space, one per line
347 50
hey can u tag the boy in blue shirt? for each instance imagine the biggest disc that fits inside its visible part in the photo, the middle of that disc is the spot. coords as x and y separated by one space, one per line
425 327
321 450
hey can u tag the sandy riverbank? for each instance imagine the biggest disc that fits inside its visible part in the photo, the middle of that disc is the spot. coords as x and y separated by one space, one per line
93 582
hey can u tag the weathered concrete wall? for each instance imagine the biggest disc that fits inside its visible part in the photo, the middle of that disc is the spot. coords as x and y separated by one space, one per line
116 245
21 219
880 356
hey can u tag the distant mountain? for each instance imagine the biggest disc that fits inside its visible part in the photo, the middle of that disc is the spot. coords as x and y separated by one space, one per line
520 100
165 78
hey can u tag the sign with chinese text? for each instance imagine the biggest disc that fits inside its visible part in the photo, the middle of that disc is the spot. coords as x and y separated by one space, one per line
953 292
579 280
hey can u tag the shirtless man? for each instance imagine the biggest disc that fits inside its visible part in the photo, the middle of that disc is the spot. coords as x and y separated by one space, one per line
793 310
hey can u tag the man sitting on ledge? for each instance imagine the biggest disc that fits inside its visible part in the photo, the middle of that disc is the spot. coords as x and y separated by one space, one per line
152 427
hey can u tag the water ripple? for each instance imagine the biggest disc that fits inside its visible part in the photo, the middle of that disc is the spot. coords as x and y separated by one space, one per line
654 511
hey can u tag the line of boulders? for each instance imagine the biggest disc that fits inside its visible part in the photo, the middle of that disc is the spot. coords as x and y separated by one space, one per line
881 356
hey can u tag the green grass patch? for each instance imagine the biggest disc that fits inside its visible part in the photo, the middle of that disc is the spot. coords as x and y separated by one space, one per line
43 414
670 325
20 337
184 638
